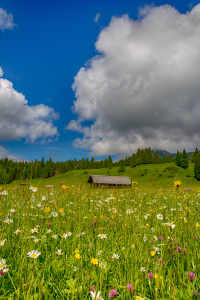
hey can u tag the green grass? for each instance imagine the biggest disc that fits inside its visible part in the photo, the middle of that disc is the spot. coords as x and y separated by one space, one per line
132 220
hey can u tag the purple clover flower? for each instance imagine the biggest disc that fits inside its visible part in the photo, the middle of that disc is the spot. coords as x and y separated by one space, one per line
113 293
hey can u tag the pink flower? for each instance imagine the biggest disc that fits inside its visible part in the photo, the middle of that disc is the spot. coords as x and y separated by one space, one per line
191 275
161 261
113 293
160 238
111 224
150 275
129 287
185 251
196 293
179 248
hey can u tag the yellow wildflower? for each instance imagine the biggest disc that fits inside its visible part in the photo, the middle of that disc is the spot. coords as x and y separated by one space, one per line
153 253
47 209
94 261
77 256
177 183
197 225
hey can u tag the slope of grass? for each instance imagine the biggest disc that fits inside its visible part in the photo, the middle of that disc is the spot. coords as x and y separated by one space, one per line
151 175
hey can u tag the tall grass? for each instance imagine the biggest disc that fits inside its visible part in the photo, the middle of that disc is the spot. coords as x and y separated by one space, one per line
142 236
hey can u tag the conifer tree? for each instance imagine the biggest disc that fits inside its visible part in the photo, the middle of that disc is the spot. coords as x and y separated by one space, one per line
156 158
133 161
149 156
194 155
197 168
110 162
138 157
178 159
184 160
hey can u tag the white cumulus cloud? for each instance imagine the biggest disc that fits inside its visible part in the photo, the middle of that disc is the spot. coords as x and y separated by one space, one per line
1 72
19 120
6 20
4 153
142 89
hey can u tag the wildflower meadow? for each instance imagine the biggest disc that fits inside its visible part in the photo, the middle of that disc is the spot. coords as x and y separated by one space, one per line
99 243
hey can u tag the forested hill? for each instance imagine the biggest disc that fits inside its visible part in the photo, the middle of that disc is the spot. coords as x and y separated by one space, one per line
10 171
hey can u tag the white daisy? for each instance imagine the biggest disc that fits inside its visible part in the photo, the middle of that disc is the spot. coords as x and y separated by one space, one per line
102 236
54 236
54 214
2 242
8 221
115 256
95 295
64 235
142 269
2 264
33 254
160 217
59 252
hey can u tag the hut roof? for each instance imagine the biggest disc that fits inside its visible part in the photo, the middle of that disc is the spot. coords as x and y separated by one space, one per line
102 179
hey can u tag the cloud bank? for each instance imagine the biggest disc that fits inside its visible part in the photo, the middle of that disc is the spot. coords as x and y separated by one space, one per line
142 89
19 120
6 20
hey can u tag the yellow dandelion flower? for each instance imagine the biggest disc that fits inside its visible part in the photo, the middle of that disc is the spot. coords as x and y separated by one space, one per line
197 225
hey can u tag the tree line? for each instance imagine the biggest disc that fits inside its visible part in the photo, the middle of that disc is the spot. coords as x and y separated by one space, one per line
22 170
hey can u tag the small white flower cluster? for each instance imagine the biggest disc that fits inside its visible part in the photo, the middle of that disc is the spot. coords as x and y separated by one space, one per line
65 235
8 221
33 189
3 266
4 193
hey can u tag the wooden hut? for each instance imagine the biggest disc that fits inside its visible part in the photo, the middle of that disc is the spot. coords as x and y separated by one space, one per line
48 186
102 180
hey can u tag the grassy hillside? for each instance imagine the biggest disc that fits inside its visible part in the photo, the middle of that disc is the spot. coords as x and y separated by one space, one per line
163 174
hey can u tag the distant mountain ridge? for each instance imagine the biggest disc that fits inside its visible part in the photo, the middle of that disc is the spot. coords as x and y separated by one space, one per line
165 153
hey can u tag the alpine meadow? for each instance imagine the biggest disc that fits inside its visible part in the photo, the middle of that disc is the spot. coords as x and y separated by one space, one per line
99 150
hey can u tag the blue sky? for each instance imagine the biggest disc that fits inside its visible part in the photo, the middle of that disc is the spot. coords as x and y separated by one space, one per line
48 46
